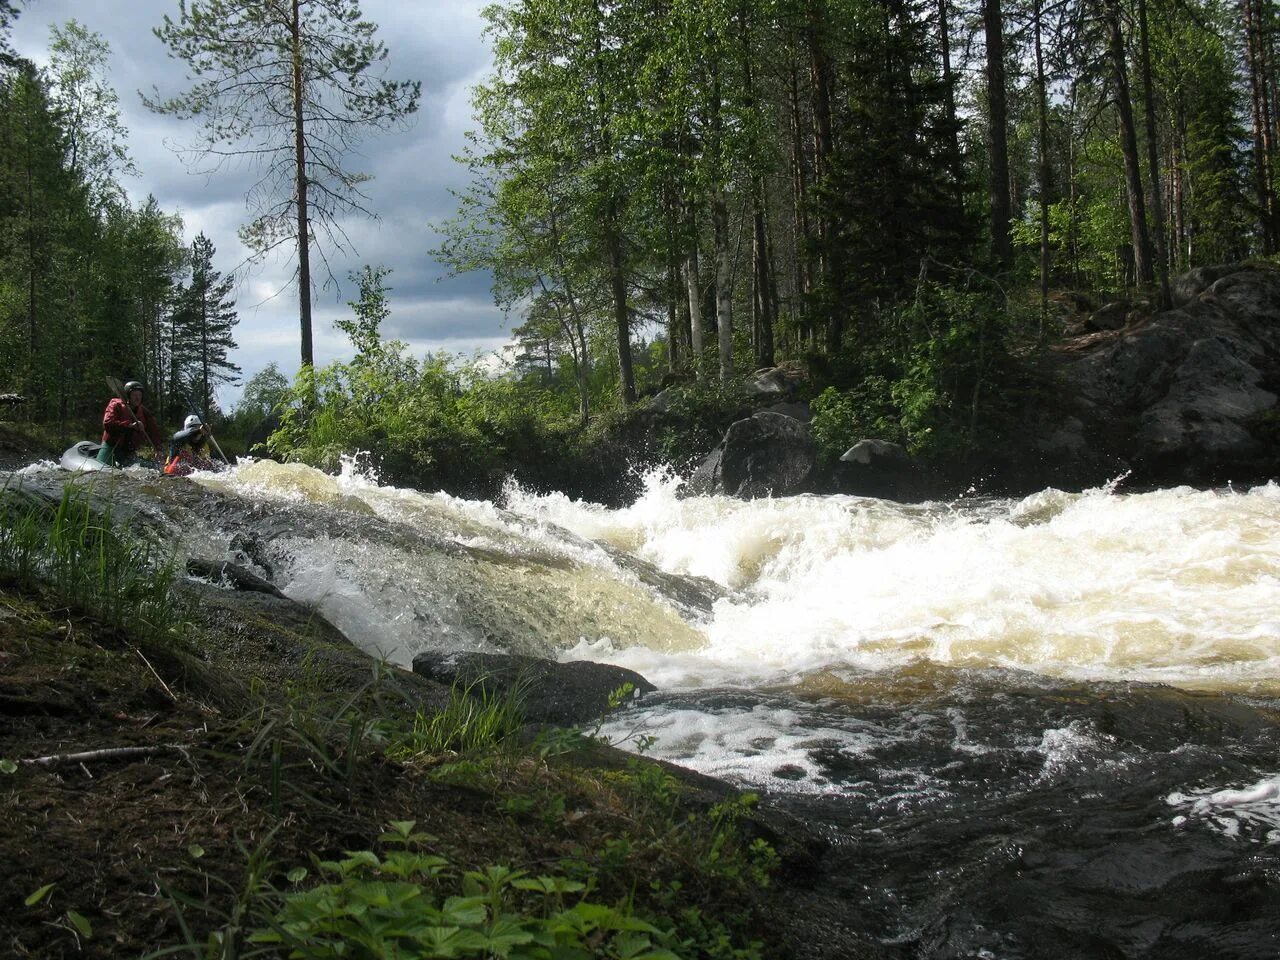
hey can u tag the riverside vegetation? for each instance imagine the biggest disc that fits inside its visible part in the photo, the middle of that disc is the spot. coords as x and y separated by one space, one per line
170 791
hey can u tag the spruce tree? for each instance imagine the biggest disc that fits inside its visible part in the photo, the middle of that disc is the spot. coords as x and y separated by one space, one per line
203 329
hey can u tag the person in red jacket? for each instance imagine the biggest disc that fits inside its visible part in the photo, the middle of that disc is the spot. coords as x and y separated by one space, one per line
126 427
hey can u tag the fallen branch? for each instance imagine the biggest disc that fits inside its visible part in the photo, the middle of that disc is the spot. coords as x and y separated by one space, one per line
110 753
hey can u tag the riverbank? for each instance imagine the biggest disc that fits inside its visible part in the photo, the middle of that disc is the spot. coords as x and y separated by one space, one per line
159 792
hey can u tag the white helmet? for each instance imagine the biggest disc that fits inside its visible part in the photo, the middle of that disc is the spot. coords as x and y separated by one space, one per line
191 422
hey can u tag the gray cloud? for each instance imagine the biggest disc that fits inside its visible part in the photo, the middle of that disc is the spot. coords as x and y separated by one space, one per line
438 42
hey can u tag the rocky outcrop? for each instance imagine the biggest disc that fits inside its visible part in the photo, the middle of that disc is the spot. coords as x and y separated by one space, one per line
766 454
1190 395
562 694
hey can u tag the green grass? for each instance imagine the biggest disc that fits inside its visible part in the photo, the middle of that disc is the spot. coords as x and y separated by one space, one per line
88 559
475 719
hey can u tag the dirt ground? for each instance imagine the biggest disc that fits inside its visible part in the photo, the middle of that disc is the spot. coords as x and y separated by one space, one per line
118 837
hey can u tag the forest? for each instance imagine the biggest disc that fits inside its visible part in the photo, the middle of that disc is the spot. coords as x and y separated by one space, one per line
92 285
908 201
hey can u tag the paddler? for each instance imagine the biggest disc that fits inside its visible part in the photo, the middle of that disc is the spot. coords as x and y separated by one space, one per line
189 449
127 426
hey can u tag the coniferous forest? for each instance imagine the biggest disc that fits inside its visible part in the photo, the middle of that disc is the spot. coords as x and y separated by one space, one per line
92 285
908 200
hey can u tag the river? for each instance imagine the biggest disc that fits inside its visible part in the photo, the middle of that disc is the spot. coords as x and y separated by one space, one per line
1041 727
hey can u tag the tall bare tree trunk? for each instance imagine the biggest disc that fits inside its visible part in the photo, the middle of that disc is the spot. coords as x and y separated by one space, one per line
1042 110
724 284
800 213
761 303
1263 145
695 306
1153 162
820 78
949 105
300 162
621 312
1129 146
997 134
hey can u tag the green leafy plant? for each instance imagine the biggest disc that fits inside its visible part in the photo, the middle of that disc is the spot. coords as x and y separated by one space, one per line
408 902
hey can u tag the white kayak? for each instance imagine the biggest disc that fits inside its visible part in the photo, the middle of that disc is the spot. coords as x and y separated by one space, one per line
83 456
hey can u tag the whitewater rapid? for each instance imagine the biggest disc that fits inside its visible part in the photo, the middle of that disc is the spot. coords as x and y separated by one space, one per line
1175 586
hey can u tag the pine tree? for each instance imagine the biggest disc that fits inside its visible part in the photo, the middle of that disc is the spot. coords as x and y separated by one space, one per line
203 328
290 84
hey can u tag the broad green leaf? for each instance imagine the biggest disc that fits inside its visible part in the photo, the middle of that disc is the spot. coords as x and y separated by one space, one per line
196 851
39 895
296 875
464 911
81 924
8 766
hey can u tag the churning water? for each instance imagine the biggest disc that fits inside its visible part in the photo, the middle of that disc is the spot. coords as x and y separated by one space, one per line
1046 727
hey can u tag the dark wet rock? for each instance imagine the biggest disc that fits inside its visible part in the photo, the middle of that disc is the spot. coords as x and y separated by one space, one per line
236 576
771 381
870 453
662 402
281 642
796 411
767 454
562 694
695 596
878 468
1191 284
1111 316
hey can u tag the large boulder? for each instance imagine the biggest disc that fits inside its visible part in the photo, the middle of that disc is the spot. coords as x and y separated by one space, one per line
767 454
561 694
1190 395
878 468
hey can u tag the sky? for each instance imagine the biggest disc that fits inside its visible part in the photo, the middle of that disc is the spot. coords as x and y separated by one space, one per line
438 42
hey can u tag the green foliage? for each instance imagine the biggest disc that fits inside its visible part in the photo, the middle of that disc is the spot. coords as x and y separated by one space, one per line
408 902
949 391
89 559
305 731
842 418
701 410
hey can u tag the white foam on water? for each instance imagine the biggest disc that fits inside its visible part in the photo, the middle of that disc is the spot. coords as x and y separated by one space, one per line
1250 812
763 745
1175 586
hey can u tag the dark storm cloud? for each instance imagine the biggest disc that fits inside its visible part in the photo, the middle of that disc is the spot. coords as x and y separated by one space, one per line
439 43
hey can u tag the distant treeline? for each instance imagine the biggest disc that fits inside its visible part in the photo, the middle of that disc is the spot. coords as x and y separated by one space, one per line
92 286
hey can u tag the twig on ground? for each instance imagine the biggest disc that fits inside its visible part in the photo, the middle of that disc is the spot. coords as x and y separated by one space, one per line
110 753
156 675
